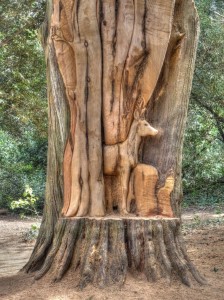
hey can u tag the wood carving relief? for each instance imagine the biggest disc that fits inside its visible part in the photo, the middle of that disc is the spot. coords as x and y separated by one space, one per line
110 55
119 79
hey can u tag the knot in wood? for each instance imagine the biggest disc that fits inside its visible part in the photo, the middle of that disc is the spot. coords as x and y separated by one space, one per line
86 44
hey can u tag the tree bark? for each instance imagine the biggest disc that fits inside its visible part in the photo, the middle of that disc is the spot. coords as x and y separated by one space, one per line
101 251
112 202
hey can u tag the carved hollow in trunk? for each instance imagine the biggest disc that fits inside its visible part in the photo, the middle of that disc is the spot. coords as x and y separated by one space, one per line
110 55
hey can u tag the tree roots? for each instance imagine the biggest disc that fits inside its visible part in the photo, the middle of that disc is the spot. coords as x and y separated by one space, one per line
102 251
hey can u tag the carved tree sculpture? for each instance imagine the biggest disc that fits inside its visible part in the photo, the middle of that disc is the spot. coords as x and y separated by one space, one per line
114 181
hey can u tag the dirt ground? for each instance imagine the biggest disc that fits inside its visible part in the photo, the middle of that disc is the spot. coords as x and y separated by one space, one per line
203 232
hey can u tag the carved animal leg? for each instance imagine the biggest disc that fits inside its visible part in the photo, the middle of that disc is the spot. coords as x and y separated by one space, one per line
108 194
164 200
131 195
124 180
145 180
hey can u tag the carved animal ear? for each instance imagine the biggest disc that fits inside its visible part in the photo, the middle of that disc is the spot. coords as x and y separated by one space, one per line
139 109
137 114
142 116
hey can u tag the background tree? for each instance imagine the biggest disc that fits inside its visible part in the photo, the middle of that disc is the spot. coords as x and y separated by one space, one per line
203 152
23 104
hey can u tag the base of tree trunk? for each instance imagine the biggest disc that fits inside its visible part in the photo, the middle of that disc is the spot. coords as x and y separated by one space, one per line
101 251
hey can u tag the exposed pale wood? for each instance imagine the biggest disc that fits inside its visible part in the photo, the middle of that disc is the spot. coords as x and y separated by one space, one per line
143 190
136 40
120 159
89 29
164 198
75 49
115 49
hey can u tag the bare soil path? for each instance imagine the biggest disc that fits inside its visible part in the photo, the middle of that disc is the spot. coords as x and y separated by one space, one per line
204 235
14 250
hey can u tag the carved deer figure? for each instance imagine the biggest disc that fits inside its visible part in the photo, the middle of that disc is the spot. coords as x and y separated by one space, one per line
121 158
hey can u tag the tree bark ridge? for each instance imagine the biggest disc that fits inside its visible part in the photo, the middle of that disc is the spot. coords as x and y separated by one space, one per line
112 248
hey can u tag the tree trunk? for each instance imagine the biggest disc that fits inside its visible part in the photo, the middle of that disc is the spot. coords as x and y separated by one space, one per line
114 182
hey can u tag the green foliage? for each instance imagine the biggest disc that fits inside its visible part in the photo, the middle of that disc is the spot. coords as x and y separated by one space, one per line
203 152
23 103
27 204
22 67
209 195
203 163
22 162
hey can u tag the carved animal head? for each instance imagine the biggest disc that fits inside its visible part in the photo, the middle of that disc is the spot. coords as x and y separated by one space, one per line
145 129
